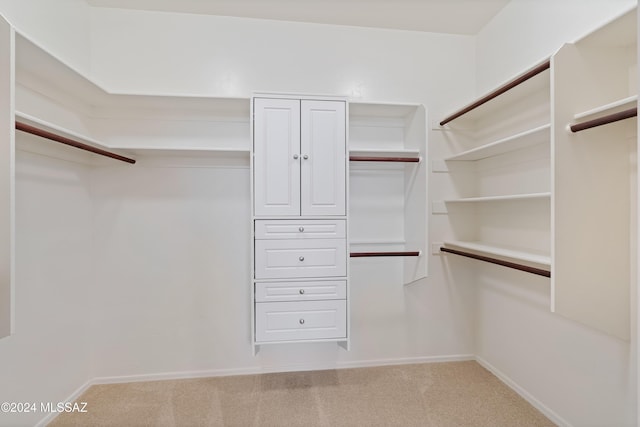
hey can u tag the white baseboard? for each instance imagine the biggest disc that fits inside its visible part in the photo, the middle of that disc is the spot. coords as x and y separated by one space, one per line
554 417
279 368
548 412
73 397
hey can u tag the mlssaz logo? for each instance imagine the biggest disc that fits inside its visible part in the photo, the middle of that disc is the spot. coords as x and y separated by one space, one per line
63 407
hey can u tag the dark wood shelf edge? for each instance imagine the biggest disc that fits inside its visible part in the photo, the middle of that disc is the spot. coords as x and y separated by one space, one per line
516 266
382 254
609 118
70 142
502 89
384 159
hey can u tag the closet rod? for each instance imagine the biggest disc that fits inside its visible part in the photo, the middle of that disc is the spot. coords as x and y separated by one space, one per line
610 118
384 159
526 268
502 89
377 254
67 141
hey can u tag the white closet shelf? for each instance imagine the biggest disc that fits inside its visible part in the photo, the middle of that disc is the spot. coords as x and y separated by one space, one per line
70 145
34 65
58 130
612 107
506 253
534 80
381 110
530 196
186 152
383 152
512 143
380 242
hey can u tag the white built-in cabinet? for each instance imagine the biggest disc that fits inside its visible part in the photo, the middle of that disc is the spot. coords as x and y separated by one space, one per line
299 157
300 250
533 192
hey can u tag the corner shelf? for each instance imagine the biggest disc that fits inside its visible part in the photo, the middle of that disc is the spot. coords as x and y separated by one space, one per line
55 97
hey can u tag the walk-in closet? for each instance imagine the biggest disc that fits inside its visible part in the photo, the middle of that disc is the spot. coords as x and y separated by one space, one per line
319 213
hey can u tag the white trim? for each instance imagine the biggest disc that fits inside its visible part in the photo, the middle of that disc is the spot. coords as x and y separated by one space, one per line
255 370
546 411
72 397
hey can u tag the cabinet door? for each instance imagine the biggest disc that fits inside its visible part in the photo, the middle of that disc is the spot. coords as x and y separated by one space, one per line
276 149
323 149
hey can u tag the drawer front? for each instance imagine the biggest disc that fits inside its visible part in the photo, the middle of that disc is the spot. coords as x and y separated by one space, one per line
300 229
301 291
282 259
308 320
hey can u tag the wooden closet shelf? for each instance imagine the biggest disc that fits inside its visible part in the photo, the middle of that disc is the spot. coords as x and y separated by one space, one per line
383 254
23 127
609 118
516 266
499 91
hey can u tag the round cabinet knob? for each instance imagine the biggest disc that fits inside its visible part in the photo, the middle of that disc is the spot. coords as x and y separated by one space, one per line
301 258
301 321
295 156
305 157
301 291
301 229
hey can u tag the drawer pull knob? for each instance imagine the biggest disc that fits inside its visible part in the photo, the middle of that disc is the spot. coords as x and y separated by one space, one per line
295 157
301 258
301 291
301 229
302 321
305 157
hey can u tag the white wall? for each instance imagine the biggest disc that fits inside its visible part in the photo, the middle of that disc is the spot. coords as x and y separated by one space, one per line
184 306
223 56
48 357
528 31
585 377
62 26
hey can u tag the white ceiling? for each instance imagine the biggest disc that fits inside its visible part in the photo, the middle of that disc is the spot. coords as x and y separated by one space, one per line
441 16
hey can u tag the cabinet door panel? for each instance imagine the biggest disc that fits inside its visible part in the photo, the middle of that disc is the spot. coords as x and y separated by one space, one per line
276 144
323 148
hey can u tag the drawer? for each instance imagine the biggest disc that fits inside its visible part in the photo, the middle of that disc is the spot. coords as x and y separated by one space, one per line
301 291
282 259
300 229
307 320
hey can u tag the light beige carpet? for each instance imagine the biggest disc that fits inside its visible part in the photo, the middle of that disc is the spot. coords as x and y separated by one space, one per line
436 394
